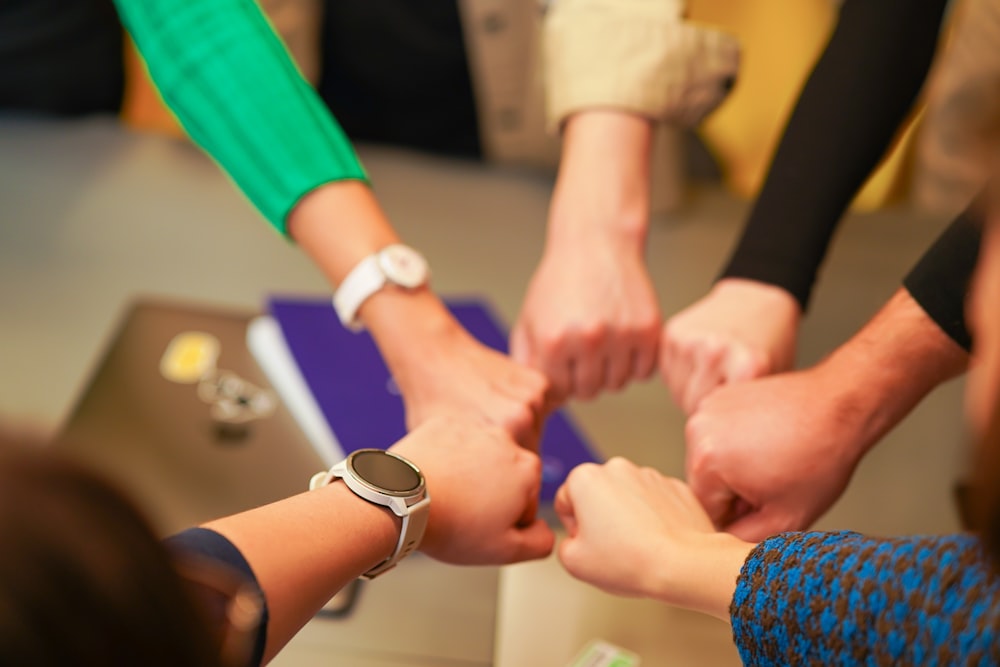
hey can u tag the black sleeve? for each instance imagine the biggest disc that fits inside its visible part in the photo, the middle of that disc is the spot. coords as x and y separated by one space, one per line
940 280
847 116
61 57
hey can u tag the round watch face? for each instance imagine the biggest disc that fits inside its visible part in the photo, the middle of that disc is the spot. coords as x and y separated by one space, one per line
403 265
386 472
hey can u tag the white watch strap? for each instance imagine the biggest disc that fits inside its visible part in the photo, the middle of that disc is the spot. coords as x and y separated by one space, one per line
414 519
410 534
364 280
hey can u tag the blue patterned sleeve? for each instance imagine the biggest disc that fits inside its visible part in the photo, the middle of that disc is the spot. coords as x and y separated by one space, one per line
845 599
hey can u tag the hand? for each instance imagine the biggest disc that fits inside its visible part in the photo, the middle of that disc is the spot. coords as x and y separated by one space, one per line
590 320
439 368
590 317
457 375
632 531
741 330
484 493
773 454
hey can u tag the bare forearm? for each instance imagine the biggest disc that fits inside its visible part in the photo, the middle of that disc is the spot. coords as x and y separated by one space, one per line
704 580
888 367
603 176
306 548
340 224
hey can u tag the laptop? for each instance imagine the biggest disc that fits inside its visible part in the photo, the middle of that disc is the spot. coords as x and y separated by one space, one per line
179 415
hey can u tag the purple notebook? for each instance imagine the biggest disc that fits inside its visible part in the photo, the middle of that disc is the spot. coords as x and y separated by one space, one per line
345 373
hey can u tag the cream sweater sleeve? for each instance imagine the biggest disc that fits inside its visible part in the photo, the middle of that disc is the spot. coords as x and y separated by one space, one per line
635 55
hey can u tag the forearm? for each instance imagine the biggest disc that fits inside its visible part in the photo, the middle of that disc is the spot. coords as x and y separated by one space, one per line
704 578
841 598
604 181
847 116
230 81
881 373
340 224
304 549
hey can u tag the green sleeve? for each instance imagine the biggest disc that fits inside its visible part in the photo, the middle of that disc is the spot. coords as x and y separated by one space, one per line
230 81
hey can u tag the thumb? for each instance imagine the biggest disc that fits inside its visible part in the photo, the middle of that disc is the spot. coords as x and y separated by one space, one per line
757 525
563 506
715 496
531 542
520 343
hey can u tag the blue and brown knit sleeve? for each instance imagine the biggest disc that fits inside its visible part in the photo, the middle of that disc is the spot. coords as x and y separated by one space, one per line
845 599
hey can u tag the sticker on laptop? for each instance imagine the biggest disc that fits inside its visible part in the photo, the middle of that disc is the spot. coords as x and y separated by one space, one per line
191 358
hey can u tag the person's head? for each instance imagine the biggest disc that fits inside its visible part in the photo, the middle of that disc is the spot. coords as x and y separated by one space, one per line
83 579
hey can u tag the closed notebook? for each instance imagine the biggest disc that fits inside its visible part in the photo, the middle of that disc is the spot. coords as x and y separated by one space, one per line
343 395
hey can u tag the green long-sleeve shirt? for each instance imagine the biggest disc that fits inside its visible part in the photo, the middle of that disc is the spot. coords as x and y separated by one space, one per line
231 83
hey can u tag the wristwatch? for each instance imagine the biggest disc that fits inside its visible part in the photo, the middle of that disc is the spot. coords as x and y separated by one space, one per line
396 264
386 479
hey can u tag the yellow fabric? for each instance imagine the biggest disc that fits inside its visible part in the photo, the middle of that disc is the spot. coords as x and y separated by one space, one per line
297 22
781 41
142 107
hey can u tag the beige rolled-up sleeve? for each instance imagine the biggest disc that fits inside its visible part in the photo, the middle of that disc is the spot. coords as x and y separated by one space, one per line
634 55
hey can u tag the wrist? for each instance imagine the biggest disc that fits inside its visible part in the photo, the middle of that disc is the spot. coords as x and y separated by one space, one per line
758 290
339 224
604 174
881 373
384 525
409 326
703 577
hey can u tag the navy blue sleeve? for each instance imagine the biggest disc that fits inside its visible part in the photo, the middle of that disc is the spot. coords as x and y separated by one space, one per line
210 544
845 599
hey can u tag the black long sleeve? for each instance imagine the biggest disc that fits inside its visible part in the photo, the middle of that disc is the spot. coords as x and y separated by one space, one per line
848 113
940 280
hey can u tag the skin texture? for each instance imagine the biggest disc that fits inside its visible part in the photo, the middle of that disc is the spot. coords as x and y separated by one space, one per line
983 386
631 531
766 456
741 330
439 368
339 536
590 317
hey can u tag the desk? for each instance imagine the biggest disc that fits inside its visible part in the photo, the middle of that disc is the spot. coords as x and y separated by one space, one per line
92 215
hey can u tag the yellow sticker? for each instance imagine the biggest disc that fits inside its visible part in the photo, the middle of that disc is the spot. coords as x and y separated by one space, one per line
190 356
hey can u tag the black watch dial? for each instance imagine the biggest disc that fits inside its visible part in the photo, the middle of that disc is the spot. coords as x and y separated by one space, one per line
385 472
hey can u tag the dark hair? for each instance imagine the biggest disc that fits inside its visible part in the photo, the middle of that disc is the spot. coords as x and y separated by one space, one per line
83 578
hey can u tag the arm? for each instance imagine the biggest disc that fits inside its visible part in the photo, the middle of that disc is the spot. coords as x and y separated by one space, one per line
822 598
303 549
847 116
231 83
631 531
590 318
752 446
841 598
918 340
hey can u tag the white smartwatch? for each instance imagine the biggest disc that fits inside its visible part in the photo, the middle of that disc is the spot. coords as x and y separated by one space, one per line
386 479
396 264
